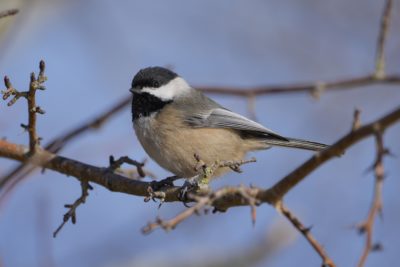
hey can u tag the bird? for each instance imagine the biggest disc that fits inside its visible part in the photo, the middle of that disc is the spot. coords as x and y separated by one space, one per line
173 122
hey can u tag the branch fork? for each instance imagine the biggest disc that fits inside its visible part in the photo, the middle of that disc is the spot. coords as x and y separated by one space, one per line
116 164
36 83
71 213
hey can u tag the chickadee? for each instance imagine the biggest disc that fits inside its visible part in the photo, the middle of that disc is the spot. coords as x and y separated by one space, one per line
174 121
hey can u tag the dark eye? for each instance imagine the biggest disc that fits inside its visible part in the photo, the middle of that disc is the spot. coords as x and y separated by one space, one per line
156 84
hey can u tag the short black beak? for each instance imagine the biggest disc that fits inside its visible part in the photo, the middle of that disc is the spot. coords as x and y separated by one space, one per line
134 90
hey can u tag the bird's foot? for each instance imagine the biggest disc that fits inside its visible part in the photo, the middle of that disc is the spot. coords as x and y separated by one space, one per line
195 184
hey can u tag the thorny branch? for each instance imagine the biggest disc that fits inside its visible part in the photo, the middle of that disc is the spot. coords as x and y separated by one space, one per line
276 192
376 207
306 232
367 226
71 213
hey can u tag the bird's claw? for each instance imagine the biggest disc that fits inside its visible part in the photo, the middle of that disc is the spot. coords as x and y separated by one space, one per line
186 189
191 185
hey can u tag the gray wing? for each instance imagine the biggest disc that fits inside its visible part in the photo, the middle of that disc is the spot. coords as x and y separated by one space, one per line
223 118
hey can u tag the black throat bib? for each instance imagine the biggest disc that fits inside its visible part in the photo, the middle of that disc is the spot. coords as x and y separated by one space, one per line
144 104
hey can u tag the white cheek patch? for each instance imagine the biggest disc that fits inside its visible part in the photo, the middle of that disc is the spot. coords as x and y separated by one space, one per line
174 88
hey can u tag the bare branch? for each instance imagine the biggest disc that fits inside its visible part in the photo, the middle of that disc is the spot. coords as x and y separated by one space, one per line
11 91
383 32
337 149
71 213
172 223
114 182
10 12
115 164
35 84
356 120
314 89
201 203
367 226
306 232
58 143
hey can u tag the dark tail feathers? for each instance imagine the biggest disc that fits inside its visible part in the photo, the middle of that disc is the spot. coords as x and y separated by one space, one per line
296 143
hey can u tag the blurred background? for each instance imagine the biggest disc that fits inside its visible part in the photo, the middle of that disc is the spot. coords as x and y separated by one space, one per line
93 49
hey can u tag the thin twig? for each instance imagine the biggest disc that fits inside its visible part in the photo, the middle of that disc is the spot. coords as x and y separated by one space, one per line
172 223
10 12
312 88
35 84
11 91
71 213
306 232
115 164
367 226
356 120
202 202
382 37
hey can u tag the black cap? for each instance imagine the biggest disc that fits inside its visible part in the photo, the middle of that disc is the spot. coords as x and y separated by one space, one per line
153 77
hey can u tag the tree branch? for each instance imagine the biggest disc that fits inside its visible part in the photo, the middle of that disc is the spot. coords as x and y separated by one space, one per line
35 84
380 50
71 213
276 193
306 232
10 12
314 89
202 201
367 226
118 183
58 143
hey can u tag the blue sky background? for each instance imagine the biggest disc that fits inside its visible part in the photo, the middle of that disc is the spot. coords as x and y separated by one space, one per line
93 49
